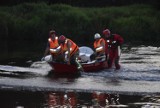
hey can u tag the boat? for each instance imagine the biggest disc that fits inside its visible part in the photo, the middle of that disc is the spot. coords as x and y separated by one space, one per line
87 64
61 68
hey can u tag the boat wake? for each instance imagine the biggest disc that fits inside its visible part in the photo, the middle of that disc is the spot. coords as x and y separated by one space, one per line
126 73
36 69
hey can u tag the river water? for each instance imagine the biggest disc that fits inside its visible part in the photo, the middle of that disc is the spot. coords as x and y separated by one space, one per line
33 84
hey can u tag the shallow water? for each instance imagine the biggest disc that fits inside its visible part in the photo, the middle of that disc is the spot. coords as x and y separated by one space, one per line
138 78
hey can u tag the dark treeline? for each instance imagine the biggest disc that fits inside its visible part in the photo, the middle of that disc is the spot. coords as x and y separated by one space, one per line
24 28
85 3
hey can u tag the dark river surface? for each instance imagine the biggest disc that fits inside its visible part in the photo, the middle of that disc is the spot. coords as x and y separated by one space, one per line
135 85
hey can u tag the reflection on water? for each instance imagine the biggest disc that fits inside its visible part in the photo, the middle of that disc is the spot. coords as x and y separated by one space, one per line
71 99
68 99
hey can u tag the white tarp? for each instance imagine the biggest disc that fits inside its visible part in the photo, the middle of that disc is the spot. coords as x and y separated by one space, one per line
85 53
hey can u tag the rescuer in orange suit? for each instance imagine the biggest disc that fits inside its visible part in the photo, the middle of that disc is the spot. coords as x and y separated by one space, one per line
99 46
70 51
53 47
114 43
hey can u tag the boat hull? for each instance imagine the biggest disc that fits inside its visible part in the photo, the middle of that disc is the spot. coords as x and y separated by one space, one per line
61 68
94 67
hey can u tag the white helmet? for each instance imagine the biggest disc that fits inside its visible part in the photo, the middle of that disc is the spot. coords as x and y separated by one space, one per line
97 36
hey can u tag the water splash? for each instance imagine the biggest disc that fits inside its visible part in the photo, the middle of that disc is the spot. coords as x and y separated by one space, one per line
37 69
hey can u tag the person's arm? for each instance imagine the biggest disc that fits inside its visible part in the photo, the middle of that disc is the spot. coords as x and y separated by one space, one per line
69 46
120 40
46 50
103 45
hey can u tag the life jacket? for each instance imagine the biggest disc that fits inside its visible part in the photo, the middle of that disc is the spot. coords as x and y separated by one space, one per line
97 44
53 45
74 48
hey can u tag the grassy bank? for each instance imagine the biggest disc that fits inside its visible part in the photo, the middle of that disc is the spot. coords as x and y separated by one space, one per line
25 27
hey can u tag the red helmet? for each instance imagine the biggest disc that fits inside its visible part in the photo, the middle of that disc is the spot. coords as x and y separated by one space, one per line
62 39
106 31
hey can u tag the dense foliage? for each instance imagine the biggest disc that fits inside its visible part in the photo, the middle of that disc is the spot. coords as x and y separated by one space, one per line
25 27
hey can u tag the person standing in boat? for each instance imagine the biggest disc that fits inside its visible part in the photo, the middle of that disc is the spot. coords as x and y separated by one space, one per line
114 48
53 47
70 51
99 46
